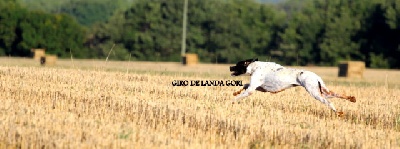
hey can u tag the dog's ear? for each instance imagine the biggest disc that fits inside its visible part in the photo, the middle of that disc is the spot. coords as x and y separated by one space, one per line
256 59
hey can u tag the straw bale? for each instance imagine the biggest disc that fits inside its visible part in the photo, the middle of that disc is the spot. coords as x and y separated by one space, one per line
190 59
351 69
48 60
38 53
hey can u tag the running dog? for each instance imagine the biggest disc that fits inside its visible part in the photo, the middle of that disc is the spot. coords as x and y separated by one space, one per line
272 77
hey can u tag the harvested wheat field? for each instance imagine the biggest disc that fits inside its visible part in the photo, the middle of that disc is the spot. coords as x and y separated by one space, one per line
98 104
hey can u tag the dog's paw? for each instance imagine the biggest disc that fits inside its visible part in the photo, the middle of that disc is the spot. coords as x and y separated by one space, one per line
352 99
340 114
236 93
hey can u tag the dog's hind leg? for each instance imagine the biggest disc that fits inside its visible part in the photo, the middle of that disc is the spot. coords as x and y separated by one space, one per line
330 94
313 88
316 93
312 83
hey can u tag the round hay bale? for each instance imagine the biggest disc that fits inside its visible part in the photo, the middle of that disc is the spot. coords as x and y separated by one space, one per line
351 69
190 59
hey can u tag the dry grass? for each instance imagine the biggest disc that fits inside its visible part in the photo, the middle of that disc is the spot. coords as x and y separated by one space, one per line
96 104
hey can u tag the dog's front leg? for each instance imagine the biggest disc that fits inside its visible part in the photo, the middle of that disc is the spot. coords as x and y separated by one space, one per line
249 89
244 94
239 91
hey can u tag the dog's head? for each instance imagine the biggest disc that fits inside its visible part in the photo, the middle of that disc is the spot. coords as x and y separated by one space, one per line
241 67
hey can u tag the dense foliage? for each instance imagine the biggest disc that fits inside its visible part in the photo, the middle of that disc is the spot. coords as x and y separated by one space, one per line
308 32
325 32
21 30
152 30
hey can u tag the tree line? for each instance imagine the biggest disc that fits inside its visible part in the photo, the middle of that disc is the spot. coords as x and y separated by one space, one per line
292 32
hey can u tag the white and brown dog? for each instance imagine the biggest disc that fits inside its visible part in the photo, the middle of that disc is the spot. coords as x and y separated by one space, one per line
274 78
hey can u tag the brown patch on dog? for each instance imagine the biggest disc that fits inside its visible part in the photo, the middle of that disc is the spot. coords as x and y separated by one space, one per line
247 86
274 92
261 89
238 92
320 88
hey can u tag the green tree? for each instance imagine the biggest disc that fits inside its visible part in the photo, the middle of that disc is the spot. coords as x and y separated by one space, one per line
56 33
89 12
304 31
311 32
21 30
10 13
43 5
244 29
325 32
379 37
151 30
341 26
